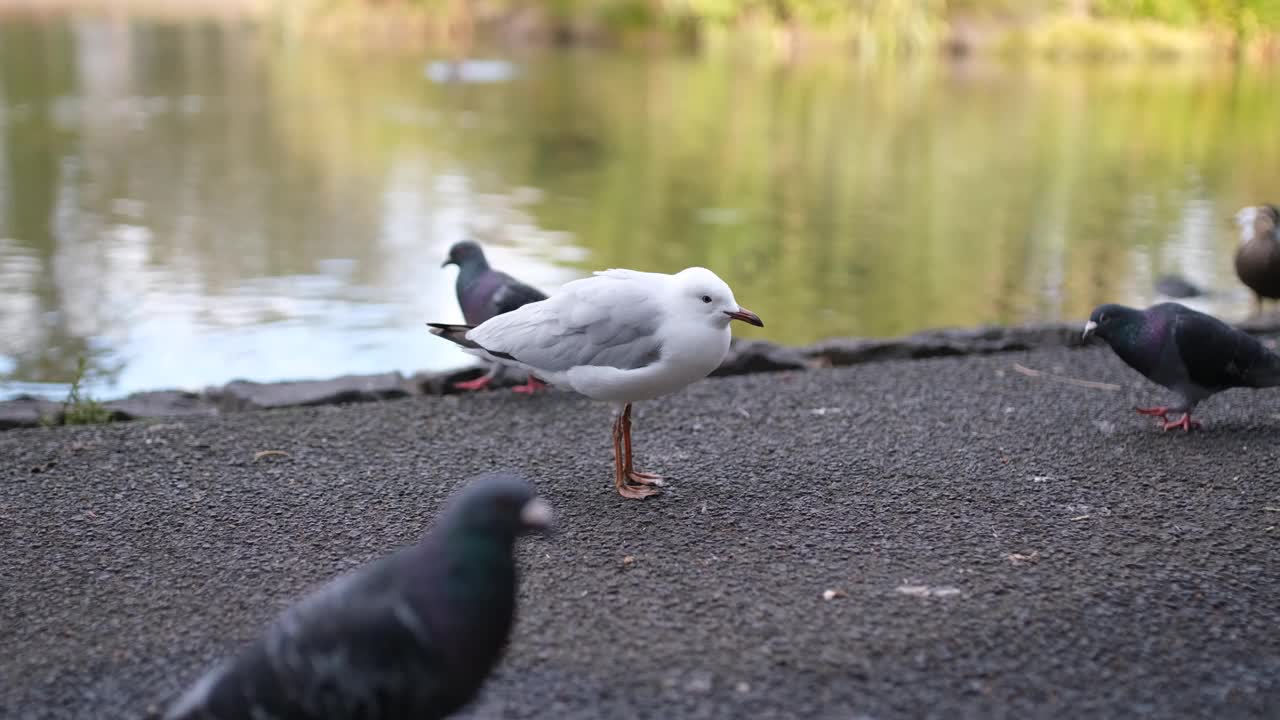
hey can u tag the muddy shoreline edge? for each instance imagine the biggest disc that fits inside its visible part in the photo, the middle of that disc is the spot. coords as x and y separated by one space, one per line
745 357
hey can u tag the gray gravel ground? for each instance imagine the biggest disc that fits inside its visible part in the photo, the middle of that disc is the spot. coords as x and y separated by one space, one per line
1076 562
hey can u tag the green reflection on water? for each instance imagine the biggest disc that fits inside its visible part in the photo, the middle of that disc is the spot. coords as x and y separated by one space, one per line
836 198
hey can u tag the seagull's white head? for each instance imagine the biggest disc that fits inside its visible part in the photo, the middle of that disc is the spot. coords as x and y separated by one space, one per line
698 291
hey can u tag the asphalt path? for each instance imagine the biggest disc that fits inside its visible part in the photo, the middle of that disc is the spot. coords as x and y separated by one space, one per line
996 544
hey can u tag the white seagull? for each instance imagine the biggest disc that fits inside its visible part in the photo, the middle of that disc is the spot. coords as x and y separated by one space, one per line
619 336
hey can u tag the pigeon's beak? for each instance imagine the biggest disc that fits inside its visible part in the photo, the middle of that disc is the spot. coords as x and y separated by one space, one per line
537 514
1089 327
447 262
745 316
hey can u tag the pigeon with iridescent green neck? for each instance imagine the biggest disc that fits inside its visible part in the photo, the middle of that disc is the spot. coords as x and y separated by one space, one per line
412 635
1193 354
485 293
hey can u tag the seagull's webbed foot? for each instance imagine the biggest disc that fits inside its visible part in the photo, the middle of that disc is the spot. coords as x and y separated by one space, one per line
644 478
1185 422
633 492
531 386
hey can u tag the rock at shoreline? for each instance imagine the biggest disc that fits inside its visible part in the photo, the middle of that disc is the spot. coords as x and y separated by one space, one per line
941 343
441 382
751 356
246 395
161 403
27 411
745 356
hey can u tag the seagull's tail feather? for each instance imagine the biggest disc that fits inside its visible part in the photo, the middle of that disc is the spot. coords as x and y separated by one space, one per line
456 334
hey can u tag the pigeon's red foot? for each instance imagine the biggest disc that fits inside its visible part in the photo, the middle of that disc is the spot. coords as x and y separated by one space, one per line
531 386
477 384
1160 412
1185 422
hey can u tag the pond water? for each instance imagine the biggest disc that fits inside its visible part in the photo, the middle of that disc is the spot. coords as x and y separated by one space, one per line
182 205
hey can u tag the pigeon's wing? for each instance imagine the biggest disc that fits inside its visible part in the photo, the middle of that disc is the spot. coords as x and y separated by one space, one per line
371 659
1217 355
605 320
367 661
512 294
353 649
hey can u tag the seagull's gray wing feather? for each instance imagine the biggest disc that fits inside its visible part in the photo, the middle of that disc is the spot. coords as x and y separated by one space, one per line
606 320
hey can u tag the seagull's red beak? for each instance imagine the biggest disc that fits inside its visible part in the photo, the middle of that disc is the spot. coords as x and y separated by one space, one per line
746 316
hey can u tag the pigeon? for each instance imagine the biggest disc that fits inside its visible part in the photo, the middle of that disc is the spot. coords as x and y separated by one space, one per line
1258 258
1191 353
1176 286
620 336
484 293
410 635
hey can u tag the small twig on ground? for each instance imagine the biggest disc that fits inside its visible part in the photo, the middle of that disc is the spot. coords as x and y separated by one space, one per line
269 453
1023 558
1063 378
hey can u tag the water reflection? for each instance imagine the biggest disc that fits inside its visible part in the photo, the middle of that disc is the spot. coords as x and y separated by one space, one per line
188 204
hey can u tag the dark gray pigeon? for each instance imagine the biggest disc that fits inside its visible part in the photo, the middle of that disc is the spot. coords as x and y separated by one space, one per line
1176 286
484 293
411 635
1193 354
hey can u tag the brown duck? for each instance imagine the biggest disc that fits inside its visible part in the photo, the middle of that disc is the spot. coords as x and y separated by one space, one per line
1258 259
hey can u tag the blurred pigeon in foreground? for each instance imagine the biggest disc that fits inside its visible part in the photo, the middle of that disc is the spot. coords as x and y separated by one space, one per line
1193 354
621 336
484 293
1258 259
410 635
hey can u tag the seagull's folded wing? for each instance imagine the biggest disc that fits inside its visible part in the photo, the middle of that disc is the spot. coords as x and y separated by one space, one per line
600 321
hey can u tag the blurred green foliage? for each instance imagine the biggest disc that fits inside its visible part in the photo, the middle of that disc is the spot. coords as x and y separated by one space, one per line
79 408
873 27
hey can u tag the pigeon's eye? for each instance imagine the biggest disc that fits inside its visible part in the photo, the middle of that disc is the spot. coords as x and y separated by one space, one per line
706 298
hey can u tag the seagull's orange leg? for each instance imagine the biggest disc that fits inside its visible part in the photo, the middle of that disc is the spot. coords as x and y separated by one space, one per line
634 475
622 461
619 478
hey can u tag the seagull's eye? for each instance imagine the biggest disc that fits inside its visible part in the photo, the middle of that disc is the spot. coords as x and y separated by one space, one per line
706 298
